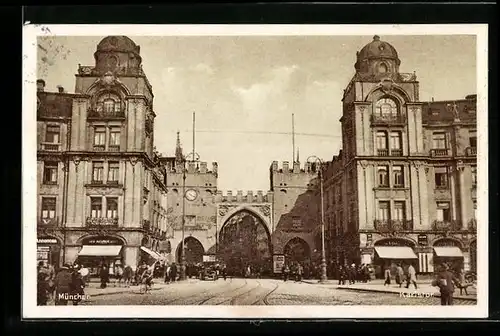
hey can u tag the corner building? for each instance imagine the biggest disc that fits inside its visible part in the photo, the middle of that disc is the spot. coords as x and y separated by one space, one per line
403 187
101 185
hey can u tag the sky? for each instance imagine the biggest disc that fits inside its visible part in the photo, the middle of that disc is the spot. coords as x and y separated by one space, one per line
245 89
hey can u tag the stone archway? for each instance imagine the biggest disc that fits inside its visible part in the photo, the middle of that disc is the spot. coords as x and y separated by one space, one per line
244 240
193 251
297 250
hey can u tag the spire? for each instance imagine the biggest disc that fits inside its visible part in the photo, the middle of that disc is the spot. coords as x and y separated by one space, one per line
298 158
178 149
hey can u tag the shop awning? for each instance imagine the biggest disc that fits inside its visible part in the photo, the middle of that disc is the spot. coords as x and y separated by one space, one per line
100 250
395 252
448 251
151 253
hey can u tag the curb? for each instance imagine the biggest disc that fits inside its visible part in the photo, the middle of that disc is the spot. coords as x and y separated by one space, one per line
437 294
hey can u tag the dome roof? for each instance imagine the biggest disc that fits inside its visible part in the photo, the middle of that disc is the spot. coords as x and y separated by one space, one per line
117 43
377 49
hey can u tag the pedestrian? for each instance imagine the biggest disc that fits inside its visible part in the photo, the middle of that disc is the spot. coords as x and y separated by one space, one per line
62 283
127 275
77 286
411 277
119 274
42 286
300 271
286 271
445 281
104 275
462 282
84 271
399 275
387 276
167 274
352 274
173 272
224 272
342 275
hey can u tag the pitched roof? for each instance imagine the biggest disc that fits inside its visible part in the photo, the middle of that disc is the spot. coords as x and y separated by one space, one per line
444 111
54 105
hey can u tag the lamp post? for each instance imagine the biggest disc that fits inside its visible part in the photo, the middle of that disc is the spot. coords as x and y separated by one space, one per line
183 248
317 160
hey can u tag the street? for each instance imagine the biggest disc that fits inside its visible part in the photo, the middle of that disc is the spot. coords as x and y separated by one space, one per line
254 292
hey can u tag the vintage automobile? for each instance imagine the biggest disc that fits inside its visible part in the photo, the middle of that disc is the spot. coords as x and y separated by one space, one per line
208 273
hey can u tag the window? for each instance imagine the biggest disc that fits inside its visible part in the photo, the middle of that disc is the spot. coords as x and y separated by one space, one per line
386 107
108 103
441 177
398 174
113 172
99 137
381 140
443 212
97 172
114 139
383 210
399 211
383 176
48 207
473 139
474 175
396 143
382 68
50 173
95 207
439 140
52 134
111 207
296 222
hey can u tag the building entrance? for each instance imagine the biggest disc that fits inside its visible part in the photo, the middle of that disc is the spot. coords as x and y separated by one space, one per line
245 243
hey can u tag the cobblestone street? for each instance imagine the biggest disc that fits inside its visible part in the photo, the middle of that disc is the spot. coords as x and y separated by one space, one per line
252 292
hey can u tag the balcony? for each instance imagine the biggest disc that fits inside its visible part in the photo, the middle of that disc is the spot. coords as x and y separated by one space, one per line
448 225
440 152
114 148
388 120
102 221
383 152
472 224
471 151
93 114
48 222
50 146
393 225
396 152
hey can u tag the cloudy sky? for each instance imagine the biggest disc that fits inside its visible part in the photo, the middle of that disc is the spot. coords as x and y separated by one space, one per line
245 89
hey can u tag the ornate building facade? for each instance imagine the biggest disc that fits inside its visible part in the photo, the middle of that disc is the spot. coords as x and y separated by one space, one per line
402 189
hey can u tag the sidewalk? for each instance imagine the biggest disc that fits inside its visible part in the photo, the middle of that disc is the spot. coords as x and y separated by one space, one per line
424 288
93 288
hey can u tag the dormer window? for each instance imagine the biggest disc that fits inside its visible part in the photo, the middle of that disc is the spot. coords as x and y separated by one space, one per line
386 107
108 103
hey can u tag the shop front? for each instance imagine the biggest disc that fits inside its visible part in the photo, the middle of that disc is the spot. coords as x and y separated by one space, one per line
392 252
48 250
448 251
99 251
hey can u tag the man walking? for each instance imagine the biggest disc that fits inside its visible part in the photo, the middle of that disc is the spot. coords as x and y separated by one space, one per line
412 277
445 281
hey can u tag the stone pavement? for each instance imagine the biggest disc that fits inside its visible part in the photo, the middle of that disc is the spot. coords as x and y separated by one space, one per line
424 288
93 288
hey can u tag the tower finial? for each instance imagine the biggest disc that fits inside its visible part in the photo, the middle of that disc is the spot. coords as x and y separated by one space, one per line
178 148
376 38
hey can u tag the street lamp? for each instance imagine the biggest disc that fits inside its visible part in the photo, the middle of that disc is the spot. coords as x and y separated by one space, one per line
317 160
183 249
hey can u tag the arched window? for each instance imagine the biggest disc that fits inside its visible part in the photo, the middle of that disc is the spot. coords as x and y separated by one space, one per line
386 107
108 103
382 68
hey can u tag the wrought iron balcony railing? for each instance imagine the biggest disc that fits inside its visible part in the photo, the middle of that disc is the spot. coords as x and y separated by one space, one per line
396 152
114 148
440 152
398 119
471 151
393 225
99 148
50 146
383 152
102 221
48 222
448 225
472 225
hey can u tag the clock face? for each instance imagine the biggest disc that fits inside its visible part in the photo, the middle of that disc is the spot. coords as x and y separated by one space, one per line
191 195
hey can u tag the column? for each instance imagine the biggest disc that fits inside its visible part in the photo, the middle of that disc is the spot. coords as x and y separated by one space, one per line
424 199
463 208
131 125
453 194
415 195
131 256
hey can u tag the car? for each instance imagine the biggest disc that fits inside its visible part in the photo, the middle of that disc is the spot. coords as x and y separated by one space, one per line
208 274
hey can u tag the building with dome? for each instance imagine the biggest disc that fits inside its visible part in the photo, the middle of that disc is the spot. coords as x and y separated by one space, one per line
403 187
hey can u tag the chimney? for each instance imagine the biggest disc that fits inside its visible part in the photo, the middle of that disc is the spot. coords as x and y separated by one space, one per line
40 85
60 89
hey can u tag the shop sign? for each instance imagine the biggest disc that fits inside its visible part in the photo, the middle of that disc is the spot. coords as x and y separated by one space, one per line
278 262
42 253
394 242
102 241
47 241
422 240
446 243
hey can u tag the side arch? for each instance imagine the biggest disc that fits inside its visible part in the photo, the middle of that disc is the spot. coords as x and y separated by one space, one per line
398 93
456 240
97 88
194 250
91 235
408 240
297 249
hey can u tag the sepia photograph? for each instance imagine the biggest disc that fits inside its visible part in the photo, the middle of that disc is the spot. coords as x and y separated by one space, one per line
313 171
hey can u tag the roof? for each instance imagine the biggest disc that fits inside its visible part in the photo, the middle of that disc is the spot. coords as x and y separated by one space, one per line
118 43
54 105
444 111
378 49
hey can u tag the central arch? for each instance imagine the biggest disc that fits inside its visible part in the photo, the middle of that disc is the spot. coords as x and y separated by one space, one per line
297 251
193 251
244 240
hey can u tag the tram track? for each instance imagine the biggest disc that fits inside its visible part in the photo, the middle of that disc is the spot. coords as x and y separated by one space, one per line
218 294
203 292
265 298
232 301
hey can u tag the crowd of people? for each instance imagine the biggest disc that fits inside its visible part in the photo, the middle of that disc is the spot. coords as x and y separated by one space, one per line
67 284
